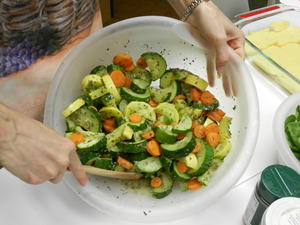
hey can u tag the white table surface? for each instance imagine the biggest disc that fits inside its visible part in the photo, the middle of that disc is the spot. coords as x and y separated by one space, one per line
49 204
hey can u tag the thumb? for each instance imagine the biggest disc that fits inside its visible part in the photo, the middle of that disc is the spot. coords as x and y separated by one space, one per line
222 55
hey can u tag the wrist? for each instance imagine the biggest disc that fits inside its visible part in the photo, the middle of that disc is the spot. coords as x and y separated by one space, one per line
191 8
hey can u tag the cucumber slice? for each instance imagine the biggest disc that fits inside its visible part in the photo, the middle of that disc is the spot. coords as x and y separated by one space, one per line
122 105
169 111
224 128
91 82
175 86
199 105
139 86
181 74
156 63
180 148
109 112
78 103
149 165
223 149
140 73
190 160
160 95
184 125
130 95
178 175
109 84
166 187
112 67
92 143
138 126
144 109
70 125
164 134
196 81
205 178
133 147
87 156
205 157
166 163
86 118
122 133
132 157
104 163
164 119
99 70
167 78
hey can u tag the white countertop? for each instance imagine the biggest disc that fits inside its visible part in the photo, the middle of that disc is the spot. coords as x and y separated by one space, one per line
48 204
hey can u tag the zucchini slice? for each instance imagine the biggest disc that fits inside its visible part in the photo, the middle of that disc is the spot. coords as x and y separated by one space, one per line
92 142
139 86
167 78
156 63
109 112
149 165
122 105
99 70
113 67
133 147
180 148
144 109
138 126
140 73
160 95
205 178
130 95
103 163
166 187
87 156
184 125
169 111
205 157
122 133
94 94
223 149
178 175
224 128
91 82
164 135
108 100
86 118
166 163
109 84
199 105
196 82
78 103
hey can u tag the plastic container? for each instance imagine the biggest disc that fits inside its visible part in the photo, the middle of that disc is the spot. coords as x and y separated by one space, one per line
135 36
285 211
285 155
261 19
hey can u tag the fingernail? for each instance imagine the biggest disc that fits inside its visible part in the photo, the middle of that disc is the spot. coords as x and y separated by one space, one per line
220 69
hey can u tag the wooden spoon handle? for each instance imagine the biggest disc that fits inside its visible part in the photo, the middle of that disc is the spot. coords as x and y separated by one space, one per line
112 174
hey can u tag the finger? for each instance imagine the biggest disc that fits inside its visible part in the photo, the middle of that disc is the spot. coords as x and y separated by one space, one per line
238 46
76 169
226 84
57 179
222 55
211 69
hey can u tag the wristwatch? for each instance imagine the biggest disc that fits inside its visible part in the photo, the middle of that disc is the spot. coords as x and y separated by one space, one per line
189 10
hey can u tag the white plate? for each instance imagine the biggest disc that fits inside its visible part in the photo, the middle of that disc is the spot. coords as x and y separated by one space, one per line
135 36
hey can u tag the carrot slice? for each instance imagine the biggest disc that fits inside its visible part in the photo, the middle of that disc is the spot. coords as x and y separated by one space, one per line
178 97
199 131
181 167
214 116
148 135
109 125
153 148
129 68
135 118
194 124
207 98
211 128
77 138
152 103
195 94
156 124
156 182
118 78
219 112
141 63
127 82
197 148
181 136
213 139
123 60
124 163
193 184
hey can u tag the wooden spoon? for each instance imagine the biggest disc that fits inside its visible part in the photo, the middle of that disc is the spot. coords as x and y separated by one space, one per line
112 174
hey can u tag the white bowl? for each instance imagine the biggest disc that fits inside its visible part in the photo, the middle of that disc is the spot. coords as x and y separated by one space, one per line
135 36
285 154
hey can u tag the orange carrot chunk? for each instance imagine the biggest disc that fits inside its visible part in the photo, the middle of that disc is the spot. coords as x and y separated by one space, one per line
124 163
156 182
135 118
118 78
207 98
181 167
127 82
211 128
194 124
194 184
199 131
141 63
77 138
181 136
214 116
178 97
152 103
156 124
148 135
197 147
153 148
123 60
195 94
213 139
109 125
129 68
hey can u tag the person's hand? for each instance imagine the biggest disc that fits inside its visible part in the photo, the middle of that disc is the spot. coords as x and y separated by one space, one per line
35 153
218 31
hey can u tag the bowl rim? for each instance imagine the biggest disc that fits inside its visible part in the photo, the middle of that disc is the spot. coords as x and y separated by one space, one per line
234 172
283 111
